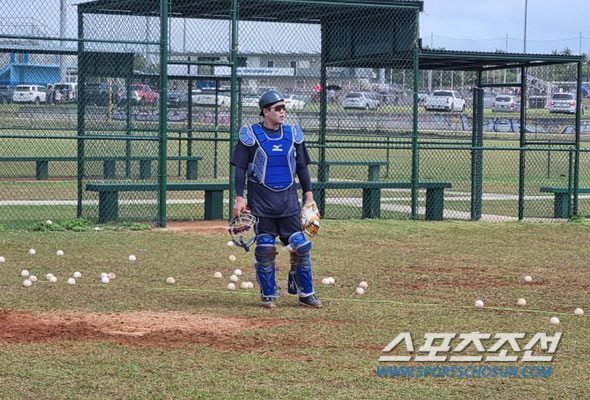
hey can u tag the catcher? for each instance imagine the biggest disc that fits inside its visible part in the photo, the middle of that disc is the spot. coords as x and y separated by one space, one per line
270 155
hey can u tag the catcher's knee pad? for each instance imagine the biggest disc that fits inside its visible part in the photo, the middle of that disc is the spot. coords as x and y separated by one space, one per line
300 278
266 250
301 246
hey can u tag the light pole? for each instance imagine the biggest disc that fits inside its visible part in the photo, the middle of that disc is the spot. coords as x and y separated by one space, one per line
525 17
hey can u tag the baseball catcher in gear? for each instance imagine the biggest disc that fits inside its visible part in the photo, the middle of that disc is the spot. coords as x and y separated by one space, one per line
310 219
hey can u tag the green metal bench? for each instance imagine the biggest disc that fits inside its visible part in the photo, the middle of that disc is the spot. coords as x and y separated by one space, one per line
374 167
108 196
562 196
109 164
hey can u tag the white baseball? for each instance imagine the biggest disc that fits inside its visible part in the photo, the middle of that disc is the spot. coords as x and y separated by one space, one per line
325 281
360 290
59 253
238 272
478 303
27 283
103 274
105 279
232 258
554 321
363 285
53 279
579 312
48 276
231 286
2 259
244 285
33 278
217 275
132 258
97 228
528 279
170 280
521 302
71 281
111 275
332 280
230 243
234 278
77 275
32 252
24 273
49 222
250 285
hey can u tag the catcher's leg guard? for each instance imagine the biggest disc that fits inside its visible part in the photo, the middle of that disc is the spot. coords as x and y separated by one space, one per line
266 252
300 279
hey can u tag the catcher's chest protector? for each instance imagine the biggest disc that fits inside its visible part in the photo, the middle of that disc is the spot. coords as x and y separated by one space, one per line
274 162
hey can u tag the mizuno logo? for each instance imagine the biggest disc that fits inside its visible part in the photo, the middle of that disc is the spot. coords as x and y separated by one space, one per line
277 147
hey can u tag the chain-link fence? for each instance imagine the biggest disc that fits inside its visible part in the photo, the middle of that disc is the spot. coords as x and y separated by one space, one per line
394 131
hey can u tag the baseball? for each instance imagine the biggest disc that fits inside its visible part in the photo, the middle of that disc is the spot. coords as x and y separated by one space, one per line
2 259
71 281
554 321
250 285
132 258
59 253
332 280
170 280
521 302
528 279
27 283
360 290
97 228
105 279
48 276
231 286
111 275
244 285
33 278
478 303
234 278
230 243
103 274
217 275
238 272
325 281
363 285
232 258
579 312
77 275
32 252
53 279
24 273
49 222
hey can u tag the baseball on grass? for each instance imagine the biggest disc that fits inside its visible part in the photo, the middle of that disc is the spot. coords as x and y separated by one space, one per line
244 285
521 302
238 272
230 243
111 275
48 276
231 286
528 279
554 321
234 278
217 275
103 274
478 303
332 280
27 283
232 258
250 285
325 281
132 258
77 275
363 285
579 312
49 222
24 273
33 278
71 281
2 259
170 280
105 279
360 290
59 253
53 279
32 252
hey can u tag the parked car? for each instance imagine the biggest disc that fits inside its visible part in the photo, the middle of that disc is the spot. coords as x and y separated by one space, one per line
64 92
143 94
98 94
446 100
563 103
30 94
505 103
6 93
250 100
177 99
207 98
359 100
293 103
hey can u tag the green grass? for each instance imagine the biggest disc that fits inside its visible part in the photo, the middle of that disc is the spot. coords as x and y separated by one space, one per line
423 277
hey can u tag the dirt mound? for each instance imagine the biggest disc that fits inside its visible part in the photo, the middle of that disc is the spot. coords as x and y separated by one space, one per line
218 226
145 328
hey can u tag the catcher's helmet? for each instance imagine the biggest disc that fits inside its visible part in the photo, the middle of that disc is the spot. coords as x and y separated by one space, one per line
242 230
268 98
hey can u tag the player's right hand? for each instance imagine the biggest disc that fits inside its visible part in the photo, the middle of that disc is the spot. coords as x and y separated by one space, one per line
239 206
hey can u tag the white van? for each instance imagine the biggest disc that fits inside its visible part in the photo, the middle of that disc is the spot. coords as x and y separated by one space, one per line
30 94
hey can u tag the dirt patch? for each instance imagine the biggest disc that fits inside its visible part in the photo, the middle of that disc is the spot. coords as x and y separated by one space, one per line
218 226
143 329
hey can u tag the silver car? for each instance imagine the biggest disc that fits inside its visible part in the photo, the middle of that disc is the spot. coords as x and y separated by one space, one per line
563 103
361 101
505 103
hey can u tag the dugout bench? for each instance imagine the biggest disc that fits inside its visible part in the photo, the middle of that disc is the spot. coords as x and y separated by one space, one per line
562 196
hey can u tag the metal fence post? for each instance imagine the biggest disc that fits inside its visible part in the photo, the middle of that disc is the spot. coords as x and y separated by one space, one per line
163 117
522 158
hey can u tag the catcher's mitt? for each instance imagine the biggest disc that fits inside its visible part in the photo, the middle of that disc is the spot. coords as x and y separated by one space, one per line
310 219
241 230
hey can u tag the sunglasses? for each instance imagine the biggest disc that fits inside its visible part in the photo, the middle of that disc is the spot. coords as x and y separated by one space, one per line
279 108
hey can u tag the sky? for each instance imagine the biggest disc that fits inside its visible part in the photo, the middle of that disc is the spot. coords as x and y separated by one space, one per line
482 25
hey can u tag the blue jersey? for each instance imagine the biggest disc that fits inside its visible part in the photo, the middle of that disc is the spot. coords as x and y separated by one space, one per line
263 200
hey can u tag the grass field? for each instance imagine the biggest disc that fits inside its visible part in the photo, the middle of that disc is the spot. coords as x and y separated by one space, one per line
140 338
